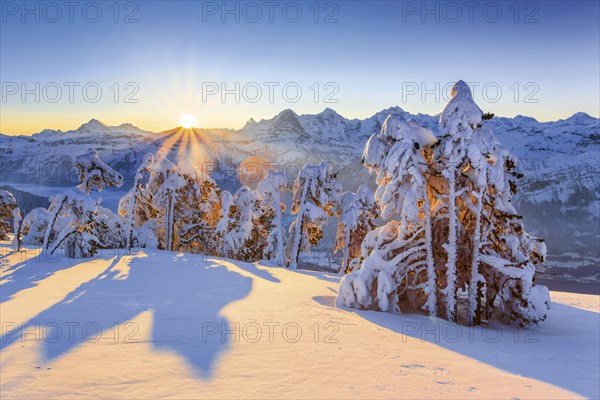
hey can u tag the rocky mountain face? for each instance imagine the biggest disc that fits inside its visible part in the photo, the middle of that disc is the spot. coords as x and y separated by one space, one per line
559 195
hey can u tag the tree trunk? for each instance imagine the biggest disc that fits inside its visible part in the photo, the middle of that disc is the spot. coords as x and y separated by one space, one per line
51 223
298 234
431 276
279 256
474 313
17 218
451 248
346 254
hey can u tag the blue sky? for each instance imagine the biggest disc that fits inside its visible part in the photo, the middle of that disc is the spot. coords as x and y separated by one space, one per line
537 58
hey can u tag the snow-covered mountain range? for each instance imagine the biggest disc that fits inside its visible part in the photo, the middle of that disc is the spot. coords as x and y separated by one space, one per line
559 195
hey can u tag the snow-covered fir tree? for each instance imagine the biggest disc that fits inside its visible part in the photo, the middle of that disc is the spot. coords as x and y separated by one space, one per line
458 121
271 209
455 229
356 216
399 256
144 204
316 195
9 211
197 209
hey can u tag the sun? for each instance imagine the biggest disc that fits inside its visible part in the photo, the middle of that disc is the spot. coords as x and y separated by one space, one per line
187 121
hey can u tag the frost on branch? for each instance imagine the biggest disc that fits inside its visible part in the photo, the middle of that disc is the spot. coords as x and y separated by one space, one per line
455 230
316 195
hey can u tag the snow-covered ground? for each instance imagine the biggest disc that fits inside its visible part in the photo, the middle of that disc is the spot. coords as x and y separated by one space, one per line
156 324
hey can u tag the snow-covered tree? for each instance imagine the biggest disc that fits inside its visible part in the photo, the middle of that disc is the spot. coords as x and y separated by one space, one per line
456 229
162 185
240 240
134 201
399 260
489 251
145 217
225 221
458 121
197 210
174 207
78 236
35 224
356 216
271 209
9 211
316 196
110 229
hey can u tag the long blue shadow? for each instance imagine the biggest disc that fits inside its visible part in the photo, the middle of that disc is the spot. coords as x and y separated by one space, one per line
28 274
185 296
564 350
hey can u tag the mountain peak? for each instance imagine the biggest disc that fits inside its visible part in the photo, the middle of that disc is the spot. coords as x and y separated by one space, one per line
581 118
125 125
383 114
93 125
524 118
287 113
328 111
250 123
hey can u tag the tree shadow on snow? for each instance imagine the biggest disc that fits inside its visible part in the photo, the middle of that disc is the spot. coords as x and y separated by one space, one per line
184 293
564 350
29 273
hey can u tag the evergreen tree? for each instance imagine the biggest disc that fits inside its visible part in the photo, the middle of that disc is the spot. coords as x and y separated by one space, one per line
456 227
197 209
398 271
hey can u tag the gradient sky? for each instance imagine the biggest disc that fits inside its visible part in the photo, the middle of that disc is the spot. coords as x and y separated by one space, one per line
374 54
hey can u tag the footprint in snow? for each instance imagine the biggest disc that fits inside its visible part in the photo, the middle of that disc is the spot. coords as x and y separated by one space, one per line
413 366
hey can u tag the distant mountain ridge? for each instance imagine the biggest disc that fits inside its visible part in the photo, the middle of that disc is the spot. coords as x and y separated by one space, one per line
559 195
